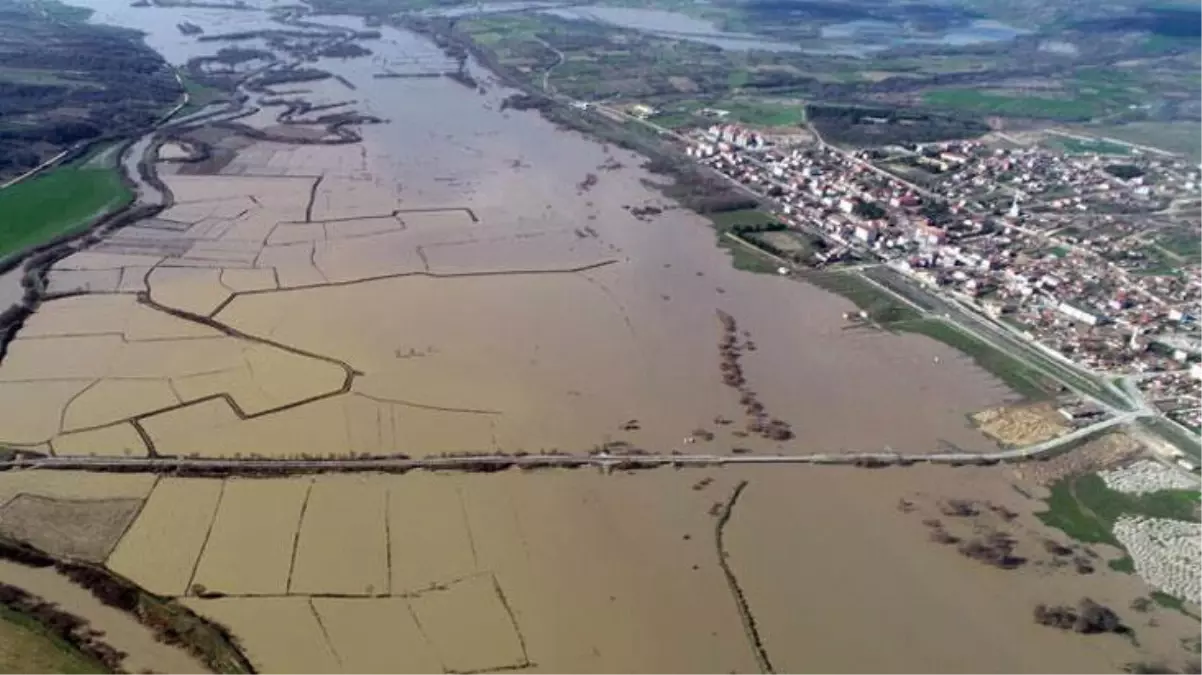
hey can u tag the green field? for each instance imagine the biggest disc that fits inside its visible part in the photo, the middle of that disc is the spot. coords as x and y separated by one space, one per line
60 201
762 114
26 647
1089 93
1085 509
730 219
740 256
1015 106
199 96
882 307
1183 137
1020 377
1078 146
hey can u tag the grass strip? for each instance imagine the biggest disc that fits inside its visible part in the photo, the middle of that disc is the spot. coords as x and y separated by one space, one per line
1022 378
26 646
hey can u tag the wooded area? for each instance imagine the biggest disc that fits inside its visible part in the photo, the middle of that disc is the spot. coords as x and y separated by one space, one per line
66 81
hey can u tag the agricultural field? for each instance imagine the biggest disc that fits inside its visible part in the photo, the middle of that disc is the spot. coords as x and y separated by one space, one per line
468 555
1069 108
256 521
161 549
1079 146
34 210
1184 136
429 535
68 486
508 569
80 529
342 547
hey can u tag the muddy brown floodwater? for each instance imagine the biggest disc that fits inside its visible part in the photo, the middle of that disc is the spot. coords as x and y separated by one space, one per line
450 283
454 281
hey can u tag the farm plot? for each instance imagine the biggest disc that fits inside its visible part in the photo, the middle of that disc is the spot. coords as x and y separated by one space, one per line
161 549
470 626
84 529
376 635
279 635
429 535
342 547
250 548
75 484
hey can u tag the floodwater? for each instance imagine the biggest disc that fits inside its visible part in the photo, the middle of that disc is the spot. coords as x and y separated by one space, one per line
874 35
850 38
456 281
159 24
453 282
671 24
576 571
117 629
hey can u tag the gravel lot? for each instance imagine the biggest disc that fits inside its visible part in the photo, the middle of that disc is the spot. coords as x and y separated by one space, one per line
1147 476
1167 553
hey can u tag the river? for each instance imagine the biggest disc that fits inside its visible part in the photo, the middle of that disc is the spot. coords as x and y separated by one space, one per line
849 38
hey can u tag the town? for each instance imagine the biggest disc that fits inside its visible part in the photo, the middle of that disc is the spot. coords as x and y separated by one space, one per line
1091 256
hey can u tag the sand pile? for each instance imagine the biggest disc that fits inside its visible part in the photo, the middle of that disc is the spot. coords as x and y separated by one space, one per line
1022 424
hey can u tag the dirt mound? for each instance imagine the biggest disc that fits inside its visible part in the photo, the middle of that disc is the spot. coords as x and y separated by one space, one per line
1020 425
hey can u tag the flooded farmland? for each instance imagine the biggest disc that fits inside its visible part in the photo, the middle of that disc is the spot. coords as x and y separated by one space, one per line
468 278
584 572
453 282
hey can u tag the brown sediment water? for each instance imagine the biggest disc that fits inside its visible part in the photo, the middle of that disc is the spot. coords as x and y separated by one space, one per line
584 572
903 603
250 547
143 652
445 285
160 550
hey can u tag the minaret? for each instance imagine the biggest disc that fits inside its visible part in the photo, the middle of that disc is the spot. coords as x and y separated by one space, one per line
1013 212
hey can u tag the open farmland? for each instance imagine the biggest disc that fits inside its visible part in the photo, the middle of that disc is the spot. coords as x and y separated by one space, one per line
34 210
80 529
75 486
342 547
470 626
577 570
429 534
377 635
160 550
278 634
250 548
